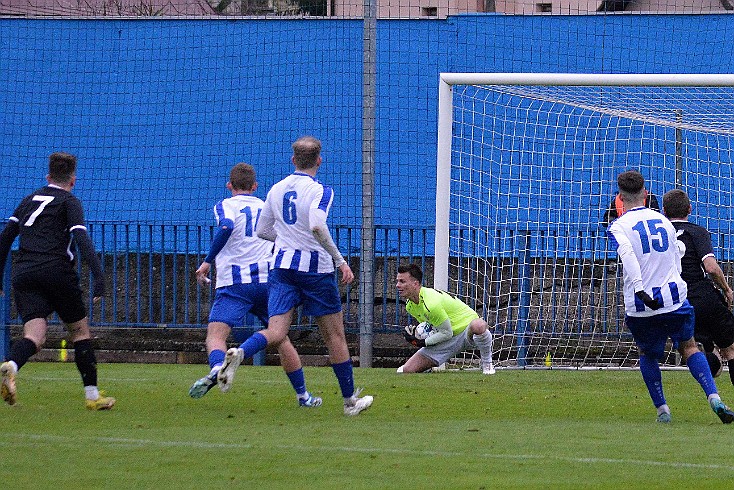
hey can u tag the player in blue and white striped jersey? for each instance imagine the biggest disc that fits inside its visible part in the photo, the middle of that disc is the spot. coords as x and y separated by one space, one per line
243 263
655 295
294 217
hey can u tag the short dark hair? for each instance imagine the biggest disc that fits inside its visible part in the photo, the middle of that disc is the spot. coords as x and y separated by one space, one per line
631 184
414 271
676 204
61 167
242 177
306 152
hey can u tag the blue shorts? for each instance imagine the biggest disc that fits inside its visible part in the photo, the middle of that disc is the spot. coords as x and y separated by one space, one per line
233 303
317 292
651 333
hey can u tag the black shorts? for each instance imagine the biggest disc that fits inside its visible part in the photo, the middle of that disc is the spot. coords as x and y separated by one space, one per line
41 292
714 319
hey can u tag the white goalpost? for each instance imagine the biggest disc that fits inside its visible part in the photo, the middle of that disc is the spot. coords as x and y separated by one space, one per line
527 166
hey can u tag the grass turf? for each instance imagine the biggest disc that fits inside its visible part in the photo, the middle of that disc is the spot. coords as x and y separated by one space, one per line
517 429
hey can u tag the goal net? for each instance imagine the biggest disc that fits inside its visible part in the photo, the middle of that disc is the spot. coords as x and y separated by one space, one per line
527 166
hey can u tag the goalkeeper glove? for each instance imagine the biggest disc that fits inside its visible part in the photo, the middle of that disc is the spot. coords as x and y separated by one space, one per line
653 304
413 340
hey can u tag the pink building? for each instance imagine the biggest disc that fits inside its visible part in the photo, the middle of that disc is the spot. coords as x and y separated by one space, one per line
105 8
347 8
444 8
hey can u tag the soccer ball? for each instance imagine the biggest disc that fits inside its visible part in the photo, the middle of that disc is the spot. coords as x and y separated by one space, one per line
421 331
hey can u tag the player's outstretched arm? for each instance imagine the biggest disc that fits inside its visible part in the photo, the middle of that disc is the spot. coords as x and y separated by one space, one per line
347 274
626 253
202 273
441 333
220 240
266 225
322 235
712 268
86 248
78 231
6 241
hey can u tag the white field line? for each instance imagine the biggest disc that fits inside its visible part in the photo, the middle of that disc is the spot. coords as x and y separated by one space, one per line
31 439
103 380
76 379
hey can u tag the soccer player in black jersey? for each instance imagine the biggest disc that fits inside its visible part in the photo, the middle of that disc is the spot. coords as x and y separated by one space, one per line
708 290
45 280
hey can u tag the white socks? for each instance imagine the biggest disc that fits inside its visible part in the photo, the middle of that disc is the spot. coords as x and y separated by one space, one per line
91 392
484 342
14 366
714 396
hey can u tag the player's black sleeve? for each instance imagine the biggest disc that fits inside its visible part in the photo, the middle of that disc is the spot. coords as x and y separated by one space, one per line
86 248
75 222
6 241
701 241
652 202
74 212
610 214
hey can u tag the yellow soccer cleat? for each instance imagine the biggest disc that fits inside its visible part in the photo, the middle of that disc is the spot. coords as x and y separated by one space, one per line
7 386
101 403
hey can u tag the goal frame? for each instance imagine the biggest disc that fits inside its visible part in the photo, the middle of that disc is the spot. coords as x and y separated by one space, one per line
445 132
445 126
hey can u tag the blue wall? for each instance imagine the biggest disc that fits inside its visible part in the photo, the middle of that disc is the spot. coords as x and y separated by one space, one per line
158 110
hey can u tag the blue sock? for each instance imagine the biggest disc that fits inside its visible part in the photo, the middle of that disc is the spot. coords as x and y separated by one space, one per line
298 381
650 370
699 368
254 344
216 358
343 372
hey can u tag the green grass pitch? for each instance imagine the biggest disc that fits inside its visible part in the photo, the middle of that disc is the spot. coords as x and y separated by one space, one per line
453 430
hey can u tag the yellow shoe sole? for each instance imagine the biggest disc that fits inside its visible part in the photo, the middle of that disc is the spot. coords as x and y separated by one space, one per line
7 385
101 403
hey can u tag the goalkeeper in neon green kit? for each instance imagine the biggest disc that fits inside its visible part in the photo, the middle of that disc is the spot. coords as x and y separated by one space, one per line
456 327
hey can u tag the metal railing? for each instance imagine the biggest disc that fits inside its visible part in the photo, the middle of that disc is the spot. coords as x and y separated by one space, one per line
150 279
149 269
